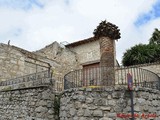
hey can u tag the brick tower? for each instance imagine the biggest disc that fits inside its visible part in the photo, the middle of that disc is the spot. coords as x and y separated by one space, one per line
107 33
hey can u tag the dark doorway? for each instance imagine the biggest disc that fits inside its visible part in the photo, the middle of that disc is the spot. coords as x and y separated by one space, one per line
91 74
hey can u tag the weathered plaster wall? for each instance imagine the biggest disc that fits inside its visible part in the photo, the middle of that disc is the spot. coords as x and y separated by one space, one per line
106 103
155 67
87 52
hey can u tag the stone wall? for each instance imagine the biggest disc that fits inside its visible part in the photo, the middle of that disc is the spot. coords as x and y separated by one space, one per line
51 51
27 103
111 103
65 58
17 62
11 62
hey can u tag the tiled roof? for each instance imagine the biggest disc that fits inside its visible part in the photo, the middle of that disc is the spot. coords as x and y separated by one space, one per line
81 42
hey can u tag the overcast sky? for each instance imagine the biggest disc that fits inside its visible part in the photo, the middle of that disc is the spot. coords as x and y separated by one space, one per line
33 24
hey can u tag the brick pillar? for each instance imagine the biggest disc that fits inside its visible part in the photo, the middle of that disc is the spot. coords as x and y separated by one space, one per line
107 33
107 60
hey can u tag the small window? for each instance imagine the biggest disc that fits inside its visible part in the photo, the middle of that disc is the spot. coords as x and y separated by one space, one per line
89 55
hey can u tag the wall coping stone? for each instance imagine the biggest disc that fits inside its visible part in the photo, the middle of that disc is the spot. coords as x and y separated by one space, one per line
24 88
27 85
144 65
111 89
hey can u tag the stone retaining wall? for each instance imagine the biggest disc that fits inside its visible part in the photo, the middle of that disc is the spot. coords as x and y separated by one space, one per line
108 103
32 103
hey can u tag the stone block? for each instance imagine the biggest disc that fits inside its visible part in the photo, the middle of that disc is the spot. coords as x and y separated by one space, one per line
97 113
105 108
72 112
87 113
41 109
112 115
80 112
89 100
105 118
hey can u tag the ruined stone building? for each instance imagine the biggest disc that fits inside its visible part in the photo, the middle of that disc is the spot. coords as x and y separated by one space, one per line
60 59
95 86
16 62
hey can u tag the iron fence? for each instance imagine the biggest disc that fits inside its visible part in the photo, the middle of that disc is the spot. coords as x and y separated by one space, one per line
27 78
58 83
39 78
93 77
103 76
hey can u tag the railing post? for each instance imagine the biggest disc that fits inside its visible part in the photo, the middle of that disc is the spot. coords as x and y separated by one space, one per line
51 76
65 84
135 82
159 83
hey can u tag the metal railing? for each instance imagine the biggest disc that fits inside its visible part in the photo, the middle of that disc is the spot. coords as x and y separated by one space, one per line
58 83
27 78
39 78
95 77
91 77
